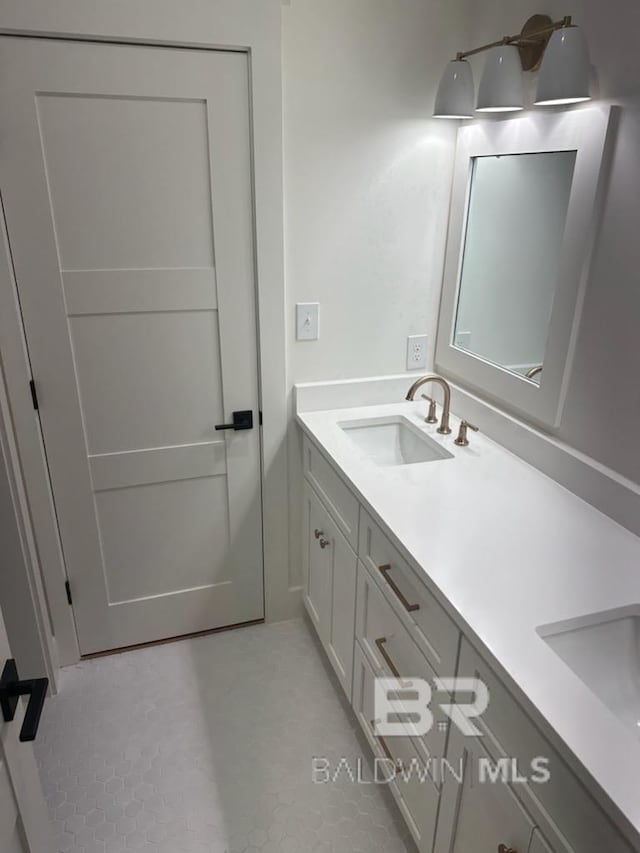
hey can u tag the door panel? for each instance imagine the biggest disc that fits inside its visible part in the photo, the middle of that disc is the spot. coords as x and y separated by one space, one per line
162 201
146 554
168 411
129 168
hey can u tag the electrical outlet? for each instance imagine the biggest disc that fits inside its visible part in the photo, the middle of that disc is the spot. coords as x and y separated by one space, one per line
307 321
416 352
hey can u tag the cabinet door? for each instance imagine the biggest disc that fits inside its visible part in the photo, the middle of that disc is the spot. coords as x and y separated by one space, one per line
342 603
479 815
316 562
330 585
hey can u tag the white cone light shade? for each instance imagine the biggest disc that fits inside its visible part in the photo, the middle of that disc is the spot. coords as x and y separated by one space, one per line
455 93
566 69
501 86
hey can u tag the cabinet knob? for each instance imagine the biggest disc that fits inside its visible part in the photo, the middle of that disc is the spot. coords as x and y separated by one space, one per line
324 543
502 848
318 533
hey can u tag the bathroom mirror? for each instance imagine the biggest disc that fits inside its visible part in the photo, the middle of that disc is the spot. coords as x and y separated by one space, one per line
515 224
525 195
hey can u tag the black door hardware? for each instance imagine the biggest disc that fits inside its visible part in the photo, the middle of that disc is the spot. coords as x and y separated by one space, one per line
241 420
11 688
34 395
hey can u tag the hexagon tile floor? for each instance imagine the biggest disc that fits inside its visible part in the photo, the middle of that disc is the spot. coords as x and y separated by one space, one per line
205 746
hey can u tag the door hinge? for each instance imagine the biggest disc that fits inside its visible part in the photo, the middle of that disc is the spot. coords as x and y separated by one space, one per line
67 587
34 394
260 417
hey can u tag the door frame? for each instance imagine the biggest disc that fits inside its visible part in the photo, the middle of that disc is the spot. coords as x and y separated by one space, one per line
249 26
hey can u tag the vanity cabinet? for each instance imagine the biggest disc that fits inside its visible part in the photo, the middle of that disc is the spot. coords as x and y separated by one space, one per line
330 585
565 816
376 617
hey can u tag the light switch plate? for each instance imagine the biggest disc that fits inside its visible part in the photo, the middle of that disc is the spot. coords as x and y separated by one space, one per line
307 321
416 352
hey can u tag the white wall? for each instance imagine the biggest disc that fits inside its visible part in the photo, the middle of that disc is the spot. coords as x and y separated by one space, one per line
367 184
602 413
367 176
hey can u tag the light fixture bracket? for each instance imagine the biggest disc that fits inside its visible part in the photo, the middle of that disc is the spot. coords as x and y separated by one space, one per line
534 38
531 41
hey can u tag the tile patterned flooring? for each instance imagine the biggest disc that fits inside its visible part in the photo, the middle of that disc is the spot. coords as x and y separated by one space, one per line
205 746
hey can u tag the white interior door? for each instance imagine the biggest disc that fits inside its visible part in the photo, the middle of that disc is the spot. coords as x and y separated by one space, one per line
23 813
126 182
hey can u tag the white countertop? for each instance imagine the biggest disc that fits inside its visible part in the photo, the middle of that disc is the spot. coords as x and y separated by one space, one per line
507 550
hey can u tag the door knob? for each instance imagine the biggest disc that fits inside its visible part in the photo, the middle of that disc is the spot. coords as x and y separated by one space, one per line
11 688
241 420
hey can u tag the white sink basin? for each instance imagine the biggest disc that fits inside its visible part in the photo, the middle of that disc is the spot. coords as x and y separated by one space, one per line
604 651
393 440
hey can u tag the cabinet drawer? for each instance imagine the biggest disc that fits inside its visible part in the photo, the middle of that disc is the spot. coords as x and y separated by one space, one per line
479 816
341 503
433 630
393 653
415 793
567 816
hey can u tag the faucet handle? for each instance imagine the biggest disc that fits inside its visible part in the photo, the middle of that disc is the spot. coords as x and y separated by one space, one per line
432 417
462 440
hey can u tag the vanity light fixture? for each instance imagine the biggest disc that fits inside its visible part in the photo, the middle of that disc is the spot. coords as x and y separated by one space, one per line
455 92
564 77
566 69
501 85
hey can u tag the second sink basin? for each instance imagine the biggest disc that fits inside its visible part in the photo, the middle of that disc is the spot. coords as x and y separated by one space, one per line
604 651
393 440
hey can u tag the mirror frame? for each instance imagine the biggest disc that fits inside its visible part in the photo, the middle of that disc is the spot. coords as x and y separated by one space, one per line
585 130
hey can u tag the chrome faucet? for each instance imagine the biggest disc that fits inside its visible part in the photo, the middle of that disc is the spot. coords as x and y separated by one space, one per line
444 428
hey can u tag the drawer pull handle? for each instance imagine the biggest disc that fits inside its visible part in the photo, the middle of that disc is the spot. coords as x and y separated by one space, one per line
318 533
385 572
380 643
398 763
324 543
502 848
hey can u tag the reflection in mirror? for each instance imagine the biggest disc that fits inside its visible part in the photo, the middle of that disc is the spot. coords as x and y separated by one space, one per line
515 226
